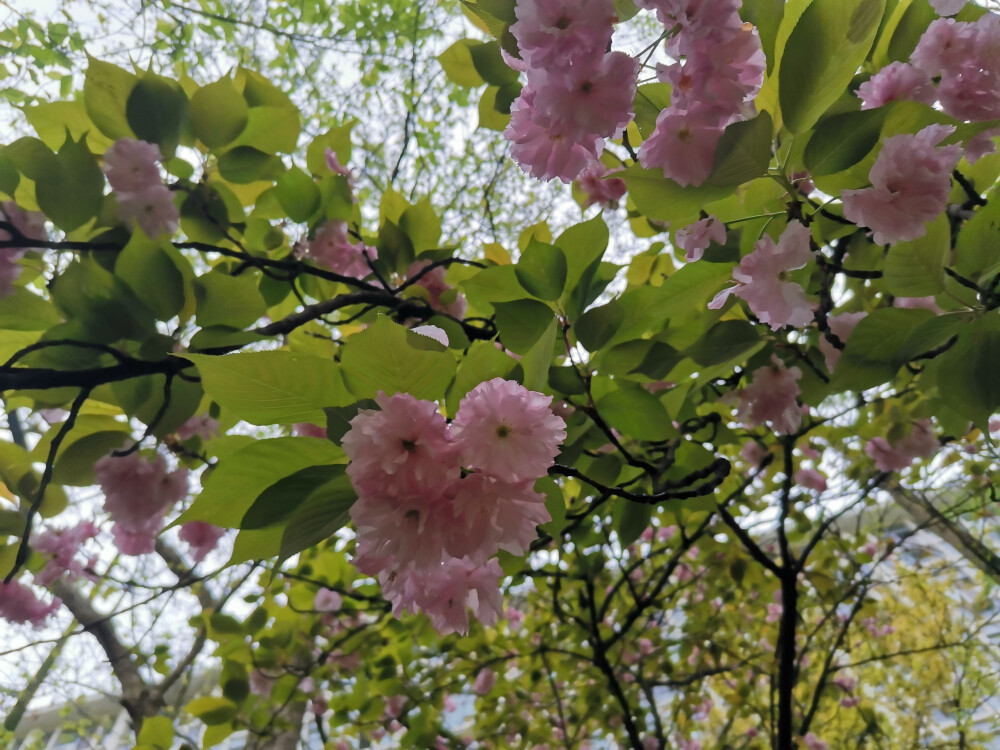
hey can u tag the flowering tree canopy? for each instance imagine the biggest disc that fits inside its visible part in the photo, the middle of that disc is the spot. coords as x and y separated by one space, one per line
657 471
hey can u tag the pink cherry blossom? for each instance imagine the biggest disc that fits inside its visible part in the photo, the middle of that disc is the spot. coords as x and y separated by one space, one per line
897 80
507 431
328 600
682 145
845 682
30 224
131 165
770 397
753 452
599 188
201 425
813 742
394 706
545 154
696 18
811 479
981 144
485 680
153 209
446 592
555 34
695 238
334 165
492 515
594 101
18 604
919 442
402 449
332 248
911 180
760 279
841 326
62 545
917 303
307 429
138 491
201 537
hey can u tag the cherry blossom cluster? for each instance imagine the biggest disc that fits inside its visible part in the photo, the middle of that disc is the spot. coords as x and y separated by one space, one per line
718 69
911 181
132 170
138 491
62 545
963 59
30 224
577 93
18 604
760 279
201 538
437 501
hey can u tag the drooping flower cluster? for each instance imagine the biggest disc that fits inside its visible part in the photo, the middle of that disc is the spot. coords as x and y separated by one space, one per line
131 169
18 604
332 247
577 93
760 279
427 529
138 491
920 442
770 398
911 180
62 545
30 224
718 70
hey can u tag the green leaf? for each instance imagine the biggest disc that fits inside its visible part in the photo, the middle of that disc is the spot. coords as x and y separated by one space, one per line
967 375
636 413
23 311
492 285
490 65
273 387
522 323
916 268
157 731
459 66
541 270
9 176
245 164
106 90
235 483
212 710
743 153
219 113
841 141
537 360
977 252
875 348
156 111
421 224
281 499
726 341
631 519
657 197
338 139
824 51
224 300
70 187
387 357
323 513
298 194
152 273
596 326
89 296
271 129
